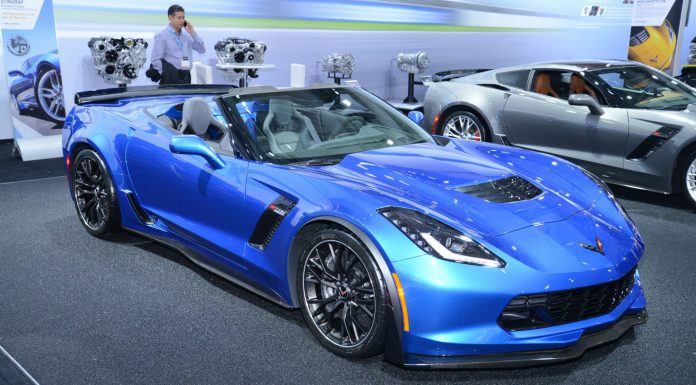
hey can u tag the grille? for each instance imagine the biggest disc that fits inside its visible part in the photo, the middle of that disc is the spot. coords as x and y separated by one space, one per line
561 307
511 189
639 38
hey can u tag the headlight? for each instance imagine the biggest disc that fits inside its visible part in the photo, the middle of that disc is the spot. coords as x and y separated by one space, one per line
439 239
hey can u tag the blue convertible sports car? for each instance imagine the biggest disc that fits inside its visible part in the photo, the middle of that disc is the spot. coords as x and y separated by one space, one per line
437 252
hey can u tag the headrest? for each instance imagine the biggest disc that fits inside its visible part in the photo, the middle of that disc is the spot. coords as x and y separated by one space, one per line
542 83
577 84
282 110
196 115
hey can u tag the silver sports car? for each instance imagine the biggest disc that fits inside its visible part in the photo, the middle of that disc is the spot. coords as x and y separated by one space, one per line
624 121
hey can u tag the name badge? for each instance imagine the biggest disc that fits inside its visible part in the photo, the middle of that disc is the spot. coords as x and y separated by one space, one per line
185 63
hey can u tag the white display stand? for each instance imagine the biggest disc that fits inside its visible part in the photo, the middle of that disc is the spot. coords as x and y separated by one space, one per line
407 107
42 147
244 81
201 73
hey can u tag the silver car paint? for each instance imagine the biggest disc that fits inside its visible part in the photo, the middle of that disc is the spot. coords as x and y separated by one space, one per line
600 143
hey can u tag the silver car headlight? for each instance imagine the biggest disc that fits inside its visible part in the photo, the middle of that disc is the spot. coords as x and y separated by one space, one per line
439 239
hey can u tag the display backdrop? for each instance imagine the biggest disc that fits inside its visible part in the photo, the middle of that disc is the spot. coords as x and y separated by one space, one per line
5 116
32 67
655 33
455 34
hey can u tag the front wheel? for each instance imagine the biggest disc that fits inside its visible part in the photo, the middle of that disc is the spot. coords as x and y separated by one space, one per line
688 178
342 293
94 194
464 125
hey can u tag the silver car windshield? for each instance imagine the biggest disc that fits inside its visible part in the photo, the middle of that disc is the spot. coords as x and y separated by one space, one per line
320 126
644 88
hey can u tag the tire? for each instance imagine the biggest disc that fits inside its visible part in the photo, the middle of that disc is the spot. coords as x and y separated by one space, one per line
688 178
48 91
464 125
90 179
344 308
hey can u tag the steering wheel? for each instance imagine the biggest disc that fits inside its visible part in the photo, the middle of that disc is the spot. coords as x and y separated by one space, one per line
350 126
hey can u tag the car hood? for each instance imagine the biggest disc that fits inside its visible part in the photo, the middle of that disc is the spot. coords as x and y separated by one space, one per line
426 177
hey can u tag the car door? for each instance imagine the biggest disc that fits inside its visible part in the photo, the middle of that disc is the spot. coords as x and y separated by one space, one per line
186 195
549 124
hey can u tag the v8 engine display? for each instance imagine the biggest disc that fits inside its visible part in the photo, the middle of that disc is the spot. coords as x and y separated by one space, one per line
118 60
234 50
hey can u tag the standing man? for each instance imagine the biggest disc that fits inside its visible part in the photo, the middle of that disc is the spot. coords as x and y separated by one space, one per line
172 52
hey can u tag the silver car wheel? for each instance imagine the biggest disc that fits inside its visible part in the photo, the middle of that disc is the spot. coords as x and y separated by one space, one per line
691 179
50 93
462 127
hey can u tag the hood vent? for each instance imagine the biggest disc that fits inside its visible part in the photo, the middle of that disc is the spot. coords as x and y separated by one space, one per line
511 189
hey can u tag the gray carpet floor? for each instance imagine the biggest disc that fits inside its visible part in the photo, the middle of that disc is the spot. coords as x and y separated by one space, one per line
78 310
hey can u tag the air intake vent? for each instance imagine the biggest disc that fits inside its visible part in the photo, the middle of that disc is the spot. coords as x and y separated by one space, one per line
562 307
506 190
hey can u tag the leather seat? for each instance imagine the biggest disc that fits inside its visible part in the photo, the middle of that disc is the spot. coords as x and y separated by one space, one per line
579 86
542 85
197 119
286 129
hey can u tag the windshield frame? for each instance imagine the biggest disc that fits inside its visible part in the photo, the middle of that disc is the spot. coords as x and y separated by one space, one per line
615 101
228 105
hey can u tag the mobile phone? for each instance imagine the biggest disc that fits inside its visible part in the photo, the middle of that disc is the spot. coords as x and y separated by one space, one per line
185 23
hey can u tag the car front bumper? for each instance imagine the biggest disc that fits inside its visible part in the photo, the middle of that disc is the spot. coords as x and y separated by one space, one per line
529 358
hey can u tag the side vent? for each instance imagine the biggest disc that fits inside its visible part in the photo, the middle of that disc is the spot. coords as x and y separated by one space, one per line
269 222
511 189
653 143
494 86
139 210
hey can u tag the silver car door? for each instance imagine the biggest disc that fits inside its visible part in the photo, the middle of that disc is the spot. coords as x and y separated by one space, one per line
549 124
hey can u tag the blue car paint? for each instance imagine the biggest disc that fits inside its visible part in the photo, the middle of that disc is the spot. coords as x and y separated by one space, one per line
29 73
453 308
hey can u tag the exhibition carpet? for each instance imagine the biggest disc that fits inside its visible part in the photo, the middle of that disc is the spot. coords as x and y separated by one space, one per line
75 309
12 169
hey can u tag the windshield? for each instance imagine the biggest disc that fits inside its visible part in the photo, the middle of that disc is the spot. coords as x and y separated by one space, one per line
320 126
641 87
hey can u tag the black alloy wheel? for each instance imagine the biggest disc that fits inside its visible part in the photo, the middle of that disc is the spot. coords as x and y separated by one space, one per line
94 194
343 294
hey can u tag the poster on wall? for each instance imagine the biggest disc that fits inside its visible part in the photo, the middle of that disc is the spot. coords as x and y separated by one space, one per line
654 30
33 71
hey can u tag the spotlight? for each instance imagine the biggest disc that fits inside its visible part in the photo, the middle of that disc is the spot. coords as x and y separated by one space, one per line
412 63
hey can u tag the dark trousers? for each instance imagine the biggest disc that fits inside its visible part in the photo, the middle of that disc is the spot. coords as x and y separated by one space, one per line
173 75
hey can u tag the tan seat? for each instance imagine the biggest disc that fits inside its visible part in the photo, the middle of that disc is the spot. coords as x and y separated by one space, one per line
579 86
542 85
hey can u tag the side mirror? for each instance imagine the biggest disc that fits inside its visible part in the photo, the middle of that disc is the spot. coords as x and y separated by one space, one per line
416 116
587 101
15 73
193 145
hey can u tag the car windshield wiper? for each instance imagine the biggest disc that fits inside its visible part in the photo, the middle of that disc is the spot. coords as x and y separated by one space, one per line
316 162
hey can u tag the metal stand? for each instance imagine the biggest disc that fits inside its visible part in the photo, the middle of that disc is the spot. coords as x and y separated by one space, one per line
411 84
244 74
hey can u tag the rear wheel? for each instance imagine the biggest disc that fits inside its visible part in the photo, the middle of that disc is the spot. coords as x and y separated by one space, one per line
464 125
688 178
94 194
342 294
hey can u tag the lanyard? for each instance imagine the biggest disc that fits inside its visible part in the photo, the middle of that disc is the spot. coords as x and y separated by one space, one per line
178 41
